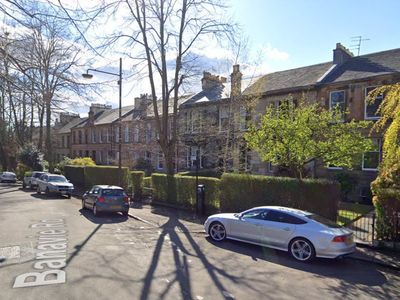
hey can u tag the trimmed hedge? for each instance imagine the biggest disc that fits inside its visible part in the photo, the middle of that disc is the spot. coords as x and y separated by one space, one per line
242 191
137 183
202 173
181 190
76 174
106 175
147 186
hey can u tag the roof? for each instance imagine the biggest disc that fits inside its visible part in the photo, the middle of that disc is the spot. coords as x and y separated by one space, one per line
215 93
112 187
356 68
300 77
365 66
112 115
294 211
67 127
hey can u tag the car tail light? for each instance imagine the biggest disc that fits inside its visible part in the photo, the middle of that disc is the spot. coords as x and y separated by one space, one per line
339 239
102 199
126 199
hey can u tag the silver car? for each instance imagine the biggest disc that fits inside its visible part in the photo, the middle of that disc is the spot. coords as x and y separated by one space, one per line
31 181
303 234
8 177
106 198
51 183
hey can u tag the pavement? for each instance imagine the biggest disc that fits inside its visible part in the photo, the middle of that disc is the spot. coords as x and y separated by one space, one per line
156 254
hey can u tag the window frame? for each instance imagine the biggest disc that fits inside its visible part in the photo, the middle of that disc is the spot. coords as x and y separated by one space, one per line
344 100
379 156
365 102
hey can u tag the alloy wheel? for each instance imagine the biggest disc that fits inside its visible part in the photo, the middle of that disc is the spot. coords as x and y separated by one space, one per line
301 250
217 232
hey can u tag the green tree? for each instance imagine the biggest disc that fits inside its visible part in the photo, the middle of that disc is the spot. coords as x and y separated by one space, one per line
291 137
31 157
386 187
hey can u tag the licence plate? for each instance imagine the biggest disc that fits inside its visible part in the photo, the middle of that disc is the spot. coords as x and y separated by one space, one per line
115 207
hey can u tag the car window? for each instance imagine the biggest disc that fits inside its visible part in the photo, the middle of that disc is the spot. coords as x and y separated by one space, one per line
113 192
96 191
282 217
37 175
57 179
323 221
253 214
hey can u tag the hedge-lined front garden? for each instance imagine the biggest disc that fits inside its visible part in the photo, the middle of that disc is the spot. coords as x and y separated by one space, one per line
240 192
181 190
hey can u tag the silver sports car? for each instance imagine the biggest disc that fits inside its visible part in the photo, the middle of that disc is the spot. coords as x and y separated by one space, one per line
303 234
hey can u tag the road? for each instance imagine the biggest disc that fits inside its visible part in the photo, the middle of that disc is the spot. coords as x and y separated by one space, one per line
155 254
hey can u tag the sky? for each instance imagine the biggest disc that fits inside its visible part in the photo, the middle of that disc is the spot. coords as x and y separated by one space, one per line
298 33
286 34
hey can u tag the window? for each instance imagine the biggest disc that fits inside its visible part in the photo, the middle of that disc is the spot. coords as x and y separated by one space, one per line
63 141
107 135
196 120
254 214
136 133
278 216
100 159
68 141
371 159
93 136
80 137
372 108
116 138
126 134
160 160
74 137
100 135
223 118
243 118
337 100
149 133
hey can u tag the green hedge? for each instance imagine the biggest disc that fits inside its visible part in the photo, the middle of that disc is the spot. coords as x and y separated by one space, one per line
147 186
202 173
181 190
241 191
106 175
76 174
136 183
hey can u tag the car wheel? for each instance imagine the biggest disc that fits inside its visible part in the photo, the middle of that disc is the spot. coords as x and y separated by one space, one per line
125 213
217 231
38 190
95 212
69 196
302 249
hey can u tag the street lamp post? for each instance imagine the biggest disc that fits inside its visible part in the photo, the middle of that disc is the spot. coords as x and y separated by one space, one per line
90 76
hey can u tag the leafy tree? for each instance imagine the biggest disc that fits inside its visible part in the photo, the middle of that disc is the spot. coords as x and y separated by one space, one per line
291 137
386 187
31 157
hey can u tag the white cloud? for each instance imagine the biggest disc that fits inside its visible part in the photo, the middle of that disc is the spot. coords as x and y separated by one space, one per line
274 53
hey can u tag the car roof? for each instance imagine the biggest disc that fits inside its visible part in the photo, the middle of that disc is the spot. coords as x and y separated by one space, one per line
111 187
38 172
290 210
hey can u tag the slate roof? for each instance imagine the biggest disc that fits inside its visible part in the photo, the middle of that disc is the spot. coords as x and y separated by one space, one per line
215 93
67 127
112 115
356 68
294 78
365 66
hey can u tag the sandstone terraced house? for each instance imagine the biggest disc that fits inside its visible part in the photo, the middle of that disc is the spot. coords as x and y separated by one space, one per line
212 121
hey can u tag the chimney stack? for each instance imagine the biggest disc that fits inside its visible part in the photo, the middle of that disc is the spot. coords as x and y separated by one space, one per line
236 81
209 81
341 54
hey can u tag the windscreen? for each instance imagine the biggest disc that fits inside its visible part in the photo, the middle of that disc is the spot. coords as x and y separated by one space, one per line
57 179
113 192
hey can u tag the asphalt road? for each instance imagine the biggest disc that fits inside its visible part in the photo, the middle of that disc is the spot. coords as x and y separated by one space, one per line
156 255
